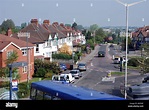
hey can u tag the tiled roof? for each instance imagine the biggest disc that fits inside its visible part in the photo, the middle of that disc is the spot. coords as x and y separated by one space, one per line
18 42
54 30
3 44
38 34
142 30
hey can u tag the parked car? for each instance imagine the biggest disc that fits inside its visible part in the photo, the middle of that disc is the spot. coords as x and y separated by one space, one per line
116 60
101 53
139 91
146 79
111 45
76 73
82 66
63 67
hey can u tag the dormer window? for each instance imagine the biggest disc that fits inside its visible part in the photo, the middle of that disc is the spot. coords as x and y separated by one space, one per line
49 41
57 34
67 34
55 40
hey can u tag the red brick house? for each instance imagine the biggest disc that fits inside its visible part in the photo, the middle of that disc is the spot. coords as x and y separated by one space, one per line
9 44
140 36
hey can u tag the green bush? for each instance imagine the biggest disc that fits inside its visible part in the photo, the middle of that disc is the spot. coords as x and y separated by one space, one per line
23 91
41 72
4 84
133 62
62 56
75 58
48 75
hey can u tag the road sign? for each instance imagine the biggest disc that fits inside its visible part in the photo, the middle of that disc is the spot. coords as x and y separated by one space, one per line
14 85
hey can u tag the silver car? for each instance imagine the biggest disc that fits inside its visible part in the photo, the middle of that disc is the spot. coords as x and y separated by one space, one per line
76 73
82 66
139 91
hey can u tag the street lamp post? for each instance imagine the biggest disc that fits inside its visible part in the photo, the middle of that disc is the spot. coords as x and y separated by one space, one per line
27 35
11 66
127 6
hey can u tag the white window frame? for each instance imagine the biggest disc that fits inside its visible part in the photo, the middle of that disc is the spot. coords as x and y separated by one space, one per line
24 52
24 69
37 47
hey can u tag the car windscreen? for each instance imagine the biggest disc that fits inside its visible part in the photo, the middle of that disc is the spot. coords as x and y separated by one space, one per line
73 72
115 58
81 64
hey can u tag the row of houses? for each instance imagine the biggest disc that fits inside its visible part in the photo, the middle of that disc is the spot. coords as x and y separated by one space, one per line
37 41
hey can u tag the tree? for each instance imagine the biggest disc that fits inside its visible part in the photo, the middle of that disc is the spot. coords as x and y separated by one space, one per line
88 35
144 65
69 25
13 56
74 26
124 43
80 27
7 24
144 62
84 32
23 25
65 49
100 35
93 27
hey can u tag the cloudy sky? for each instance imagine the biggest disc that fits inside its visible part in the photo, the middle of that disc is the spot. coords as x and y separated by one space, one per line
83 12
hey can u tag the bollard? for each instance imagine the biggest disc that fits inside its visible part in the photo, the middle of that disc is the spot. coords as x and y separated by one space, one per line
109 74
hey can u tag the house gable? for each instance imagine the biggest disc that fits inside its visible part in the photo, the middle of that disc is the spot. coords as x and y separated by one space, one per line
7 44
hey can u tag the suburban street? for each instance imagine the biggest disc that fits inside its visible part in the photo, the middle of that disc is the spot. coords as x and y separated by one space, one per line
99 67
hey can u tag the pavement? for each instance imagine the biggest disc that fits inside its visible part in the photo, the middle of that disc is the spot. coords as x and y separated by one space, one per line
88 57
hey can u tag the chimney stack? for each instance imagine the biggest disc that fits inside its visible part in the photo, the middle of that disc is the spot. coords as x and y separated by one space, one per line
55 23
9 32
46 22
34 21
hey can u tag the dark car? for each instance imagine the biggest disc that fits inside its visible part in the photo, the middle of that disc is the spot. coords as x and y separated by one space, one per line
101 53
111 45
63 66
146 79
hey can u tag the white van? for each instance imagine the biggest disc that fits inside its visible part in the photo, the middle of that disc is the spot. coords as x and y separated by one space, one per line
67 77
116 60
64 77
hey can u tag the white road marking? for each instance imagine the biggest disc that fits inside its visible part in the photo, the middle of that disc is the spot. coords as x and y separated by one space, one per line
109 79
